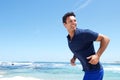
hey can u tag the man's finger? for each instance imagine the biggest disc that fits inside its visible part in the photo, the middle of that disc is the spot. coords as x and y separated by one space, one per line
89 57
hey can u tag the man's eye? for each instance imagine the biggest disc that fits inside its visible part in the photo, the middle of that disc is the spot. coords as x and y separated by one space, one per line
70 21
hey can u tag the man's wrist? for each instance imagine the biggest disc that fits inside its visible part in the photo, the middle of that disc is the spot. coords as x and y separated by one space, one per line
74 57
98 55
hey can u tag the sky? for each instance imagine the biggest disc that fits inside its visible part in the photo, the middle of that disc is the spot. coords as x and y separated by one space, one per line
32 30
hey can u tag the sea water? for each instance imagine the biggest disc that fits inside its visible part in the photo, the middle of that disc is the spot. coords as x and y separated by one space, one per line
51 71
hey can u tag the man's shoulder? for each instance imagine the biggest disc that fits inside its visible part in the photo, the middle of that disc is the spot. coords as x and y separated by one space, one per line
86 31
83 30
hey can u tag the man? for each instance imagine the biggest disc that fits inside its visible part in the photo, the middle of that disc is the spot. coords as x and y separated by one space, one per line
80 41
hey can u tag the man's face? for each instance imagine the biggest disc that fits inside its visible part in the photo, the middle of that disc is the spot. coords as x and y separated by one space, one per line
70 23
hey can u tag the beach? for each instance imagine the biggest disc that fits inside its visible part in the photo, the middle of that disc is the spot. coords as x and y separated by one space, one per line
51 71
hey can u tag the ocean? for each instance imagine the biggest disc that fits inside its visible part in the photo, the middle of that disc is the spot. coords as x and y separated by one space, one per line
51 71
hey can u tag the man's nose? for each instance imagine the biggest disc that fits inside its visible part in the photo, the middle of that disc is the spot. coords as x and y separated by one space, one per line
73 22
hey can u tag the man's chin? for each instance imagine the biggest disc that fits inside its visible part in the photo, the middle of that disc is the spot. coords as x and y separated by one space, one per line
74 28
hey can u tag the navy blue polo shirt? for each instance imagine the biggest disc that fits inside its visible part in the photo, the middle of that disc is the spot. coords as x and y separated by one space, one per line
82 46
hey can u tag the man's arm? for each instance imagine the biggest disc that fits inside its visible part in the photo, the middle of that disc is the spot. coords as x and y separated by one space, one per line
72 61
104 41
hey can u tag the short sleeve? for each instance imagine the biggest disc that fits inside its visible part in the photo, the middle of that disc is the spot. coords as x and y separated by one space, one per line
90 35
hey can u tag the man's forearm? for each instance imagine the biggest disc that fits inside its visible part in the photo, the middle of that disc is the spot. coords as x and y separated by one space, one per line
74 57
103 44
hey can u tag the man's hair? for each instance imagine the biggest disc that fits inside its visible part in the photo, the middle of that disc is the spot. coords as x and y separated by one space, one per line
67 15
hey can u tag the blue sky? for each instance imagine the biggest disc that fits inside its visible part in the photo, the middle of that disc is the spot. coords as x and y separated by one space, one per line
32 30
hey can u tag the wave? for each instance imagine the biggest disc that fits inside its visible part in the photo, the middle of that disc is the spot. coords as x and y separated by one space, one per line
35 65
112 68
15 63
49 65
20 78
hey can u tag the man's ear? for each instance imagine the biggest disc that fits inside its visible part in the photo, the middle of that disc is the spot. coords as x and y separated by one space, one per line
64 25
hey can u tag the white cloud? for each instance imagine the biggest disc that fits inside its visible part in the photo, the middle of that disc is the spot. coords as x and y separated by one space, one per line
81 4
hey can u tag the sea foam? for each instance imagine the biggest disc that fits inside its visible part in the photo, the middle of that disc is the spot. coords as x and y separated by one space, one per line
20 78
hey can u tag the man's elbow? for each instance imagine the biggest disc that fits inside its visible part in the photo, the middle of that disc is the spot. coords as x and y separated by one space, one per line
107 39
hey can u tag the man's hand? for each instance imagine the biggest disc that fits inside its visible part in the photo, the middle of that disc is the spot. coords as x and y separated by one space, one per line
93 59
72 61
104 41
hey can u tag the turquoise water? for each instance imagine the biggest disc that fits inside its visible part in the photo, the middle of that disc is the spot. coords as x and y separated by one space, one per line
52 71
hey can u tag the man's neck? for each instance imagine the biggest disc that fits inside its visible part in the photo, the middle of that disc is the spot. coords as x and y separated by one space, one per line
71 34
